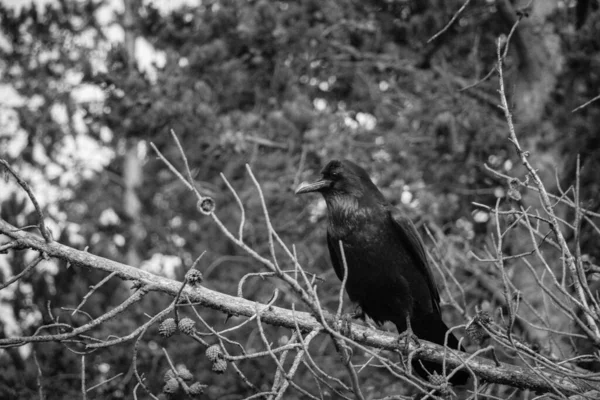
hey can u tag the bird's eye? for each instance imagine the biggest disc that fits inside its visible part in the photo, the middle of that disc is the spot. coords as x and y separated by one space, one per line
335 174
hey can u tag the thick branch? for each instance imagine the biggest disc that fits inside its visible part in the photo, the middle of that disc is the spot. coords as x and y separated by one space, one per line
504 374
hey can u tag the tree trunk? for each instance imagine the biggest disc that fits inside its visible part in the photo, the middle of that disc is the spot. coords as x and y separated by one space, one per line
132 165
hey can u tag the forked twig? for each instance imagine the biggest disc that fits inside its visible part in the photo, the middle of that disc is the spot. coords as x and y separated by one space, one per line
46 233
449 24
568 258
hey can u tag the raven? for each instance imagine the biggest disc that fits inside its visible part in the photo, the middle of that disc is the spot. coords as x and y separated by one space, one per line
388 272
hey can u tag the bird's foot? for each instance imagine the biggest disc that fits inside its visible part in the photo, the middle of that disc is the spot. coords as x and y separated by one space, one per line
406 337
345 322
346 326
358 313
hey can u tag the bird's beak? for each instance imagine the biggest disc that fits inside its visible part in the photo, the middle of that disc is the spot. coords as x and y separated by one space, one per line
316 186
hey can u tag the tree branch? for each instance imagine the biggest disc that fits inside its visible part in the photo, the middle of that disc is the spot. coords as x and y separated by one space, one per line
361 336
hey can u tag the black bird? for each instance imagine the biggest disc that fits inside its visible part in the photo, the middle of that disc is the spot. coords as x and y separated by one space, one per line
388 272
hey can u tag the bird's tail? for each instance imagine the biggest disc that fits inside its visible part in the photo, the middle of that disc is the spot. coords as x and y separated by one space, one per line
430 327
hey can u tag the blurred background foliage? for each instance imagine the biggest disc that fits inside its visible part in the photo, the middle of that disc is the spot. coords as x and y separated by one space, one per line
283 86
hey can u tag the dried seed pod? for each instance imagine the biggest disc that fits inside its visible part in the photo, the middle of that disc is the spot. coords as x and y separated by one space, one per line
169 375
171 386
194 277
167 328
186 325
184 373
436 379
213 353
197 389
219 366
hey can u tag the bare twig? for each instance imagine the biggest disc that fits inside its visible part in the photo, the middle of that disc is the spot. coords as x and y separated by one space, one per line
449 24
46 233
92 290
83 390
587 103
347 361
134 364
266 142
39 377
135 333
547 205
104 382
296 181
513 29
23 273
240 205
19 341
270 230
344 282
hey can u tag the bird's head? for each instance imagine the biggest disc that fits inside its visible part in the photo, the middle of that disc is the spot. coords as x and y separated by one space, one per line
342 179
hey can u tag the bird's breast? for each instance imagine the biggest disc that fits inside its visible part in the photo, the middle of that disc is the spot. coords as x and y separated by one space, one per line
348 228
349 221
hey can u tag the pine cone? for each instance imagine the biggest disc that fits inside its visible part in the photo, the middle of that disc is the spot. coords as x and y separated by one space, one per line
436 379
184 373
186 325
197 389
169 375
439 380
167 328
475 328
476 333
171 386
219 366
483 318
213 353
194 277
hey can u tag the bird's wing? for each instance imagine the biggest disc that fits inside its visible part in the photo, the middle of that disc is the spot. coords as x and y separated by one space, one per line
408 234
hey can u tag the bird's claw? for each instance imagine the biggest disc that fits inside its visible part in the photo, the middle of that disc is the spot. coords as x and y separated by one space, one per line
358 313
407 336
344 324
